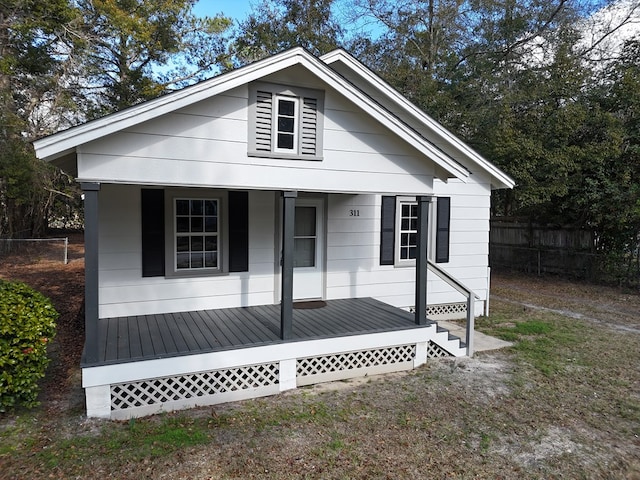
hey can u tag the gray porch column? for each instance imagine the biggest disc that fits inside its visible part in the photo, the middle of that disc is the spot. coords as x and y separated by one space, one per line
91 271
286 304
421 260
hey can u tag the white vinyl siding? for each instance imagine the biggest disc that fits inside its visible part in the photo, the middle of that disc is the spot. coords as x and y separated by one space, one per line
353 252
122 289
206 145
352 256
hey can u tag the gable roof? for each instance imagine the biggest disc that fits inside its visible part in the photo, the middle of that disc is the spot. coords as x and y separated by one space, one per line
373 85
62 146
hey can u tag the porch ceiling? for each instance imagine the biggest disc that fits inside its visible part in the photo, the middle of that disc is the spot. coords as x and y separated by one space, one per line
128 339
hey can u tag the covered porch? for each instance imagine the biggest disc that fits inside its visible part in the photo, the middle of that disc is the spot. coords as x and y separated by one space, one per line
153 363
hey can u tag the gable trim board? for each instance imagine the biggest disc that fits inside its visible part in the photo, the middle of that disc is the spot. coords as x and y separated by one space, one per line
62 143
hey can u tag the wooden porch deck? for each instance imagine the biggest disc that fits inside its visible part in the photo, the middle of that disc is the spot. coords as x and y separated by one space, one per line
146 337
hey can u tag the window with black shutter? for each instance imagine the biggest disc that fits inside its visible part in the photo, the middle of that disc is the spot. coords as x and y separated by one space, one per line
398 232
182 232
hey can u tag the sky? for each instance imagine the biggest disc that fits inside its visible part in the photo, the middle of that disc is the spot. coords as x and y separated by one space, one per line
236 9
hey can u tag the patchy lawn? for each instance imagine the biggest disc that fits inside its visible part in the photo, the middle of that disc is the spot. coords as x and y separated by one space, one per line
563 402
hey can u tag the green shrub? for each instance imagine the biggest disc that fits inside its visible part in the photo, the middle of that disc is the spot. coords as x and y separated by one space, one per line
27 325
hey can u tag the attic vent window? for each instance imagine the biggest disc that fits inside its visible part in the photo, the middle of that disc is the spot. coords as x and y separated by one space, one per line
285 122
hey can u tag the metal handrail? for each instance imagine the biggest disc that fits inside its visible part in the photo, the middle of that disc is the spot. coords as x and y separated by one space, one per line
467 292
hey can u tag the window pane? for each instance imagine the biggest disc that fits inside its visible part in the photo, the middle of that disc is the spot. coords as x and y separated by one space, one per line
406 210
285 124
182 260
405 224
414 224
210 207
182 207
412 252
286 107
197 243
414 210
413 239
305 222
182 224
285 140
196 224
196 260
304 252
211 244
210 224
211 260
404 253
404 239
196 207
182 244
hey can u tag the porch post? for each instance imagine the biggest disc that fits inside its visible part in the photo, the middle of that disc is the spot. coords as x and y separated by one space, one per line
286 303
91 271
421 260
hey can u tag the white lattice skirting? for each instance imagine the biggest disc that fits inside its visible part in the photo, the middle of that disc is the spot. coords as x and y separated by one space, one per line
330 360
447 311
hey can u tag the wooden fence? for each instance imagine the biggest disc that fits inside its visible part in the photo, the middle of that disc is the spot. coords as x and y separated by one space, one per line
538 249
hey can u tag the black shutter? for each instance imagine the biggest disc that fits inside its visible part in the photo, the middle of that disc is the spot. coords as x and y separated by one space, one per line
238 231
153 252
387 231
442 232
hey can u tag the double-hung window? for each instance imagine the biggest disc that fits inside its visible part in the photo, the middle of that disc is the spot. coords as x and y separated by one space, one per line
196 234
407 230
399 231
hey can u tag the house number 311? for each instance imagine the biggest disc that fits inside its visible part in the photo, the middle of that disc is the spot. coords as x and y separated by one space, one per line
354 213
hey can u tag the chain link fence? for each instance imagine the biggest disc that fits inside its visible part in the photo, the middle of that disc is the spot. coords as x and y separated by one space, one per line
35 249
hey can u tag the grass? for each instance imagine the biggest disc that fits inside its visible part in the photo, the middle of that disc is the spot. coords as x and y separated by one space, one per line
563 402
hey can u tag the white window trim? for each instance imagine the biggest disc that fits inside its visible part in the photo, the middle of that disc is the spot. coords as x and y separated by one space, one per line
431 234
296 124
171 195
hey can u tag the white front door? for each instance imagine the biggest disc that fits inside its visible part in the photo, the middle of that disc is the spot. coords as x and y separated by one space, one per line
308 249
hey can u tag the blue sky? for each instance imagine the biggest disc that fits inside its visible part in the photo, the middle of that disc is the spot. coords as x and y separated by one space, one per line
236 9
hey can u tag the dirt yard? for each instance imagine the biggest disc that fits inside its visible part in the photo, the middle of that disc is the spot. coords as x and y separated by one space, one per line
564 402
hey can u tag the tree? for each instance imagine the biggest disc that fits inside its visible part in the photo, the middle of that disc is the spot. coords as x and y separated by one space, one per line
66 61
612 187
277 25
31 35
135 50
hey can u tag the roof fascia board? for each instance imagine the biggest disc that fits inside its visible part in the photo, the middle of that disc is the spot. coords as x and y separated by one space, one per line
358 68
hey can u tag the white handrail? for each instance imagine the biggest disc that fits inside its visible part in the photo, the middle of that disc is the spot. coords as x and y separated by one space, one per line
467 292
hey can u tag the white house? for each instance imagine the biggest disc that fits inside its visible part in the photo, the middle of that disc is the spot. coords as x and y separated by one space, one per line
290 222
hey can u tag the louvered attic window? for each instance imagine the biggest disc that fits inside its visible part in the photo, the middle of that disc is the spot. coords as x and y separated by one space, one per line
285 122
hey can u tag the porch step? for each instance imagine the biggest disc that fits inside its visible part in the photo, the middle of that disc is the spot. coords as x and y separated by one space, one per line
449 342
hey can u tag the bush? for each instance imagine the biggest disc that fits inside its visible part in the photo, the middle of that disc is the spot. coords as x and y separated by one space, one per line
27 325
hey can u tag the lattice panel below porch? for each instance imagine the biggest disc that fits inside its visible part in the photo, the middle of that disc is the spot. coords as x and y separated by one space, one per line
436 351
192 386
447 310
363 359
